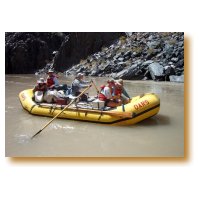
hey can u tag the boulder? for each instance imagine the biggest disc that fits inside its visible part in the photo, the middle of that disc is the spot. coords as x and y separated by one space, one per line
174 78
148 62
157 71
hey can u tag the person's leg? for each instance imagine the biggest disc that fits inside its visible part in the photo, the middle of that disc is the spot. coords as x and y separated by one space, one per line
112 104
125 99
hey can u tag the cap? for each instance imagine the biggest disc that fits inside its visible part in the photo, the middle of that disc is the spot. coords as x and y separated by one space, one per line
50 70
40 81
79 75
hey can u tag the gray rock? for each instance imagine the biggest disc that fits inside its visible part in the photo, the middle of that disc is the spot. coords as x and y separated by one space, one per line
157 71
121 74
148 62
117 55
127 53
93 73
131 73
121 63
181 43
153 44
120 59
174 59
174 78
180 63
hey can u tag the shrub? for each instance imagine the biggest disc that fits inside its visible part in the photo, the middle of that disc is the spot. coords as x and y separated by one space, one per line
150 51
122 39
137 49
172 42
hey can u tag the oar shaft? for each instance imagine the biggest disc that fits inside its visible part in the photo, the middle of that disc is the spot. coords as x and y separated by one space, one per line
95 86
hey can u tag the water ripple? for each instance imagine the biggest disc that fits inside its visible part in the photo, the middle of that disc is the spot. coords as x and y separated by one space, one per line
22 138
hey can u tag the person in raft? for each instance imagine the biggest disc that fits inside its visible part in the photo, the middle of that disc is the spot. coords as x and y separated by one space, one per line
52 81
121 92
77 84
52 85
107 94
40 90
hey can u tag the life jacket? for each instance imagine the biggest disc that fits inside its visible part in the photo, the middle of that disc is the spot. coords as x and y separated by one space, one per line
101 96
118 91
50 81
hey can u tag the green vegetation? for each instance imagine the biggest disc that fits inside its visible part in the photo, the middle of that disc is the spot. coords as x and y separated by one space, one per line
122 39
151 51
137 49
172 41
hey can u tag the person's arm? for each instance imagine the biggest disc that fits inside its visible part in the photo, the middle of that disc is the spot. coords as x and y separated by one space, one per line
83 85
56 82
124 92
34 89
85 82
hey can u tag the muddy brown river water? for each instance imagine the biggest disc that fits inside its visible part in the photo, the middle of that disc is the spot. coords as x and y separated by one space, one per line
159 136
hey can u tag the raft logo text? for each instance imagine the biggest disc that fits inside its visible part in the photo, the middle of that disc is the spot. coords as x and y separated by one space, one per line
141 104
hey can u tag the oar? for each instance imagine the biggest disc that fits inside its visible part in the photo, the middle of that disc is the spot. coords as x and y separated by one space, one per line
95 86
62 110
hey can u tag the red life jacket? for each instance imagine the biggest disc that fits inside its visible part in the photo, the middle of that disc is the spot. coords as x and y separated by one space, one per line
118 91
101 96
50 81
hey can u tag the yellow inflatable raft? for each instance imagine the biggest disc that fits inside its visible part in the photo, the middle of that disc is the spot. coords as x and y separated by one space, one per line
140 108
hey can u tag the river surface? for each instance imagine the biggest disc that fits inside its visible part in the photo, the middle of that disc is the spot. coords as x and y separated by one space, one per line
159 136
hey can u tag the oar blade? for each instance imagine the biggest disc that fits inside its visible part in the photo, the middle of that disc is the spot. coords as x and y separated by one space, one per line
36 134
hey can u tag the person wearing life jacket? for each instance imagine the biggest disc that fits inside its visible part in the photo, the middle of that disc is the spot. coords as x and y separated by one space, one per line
52 80
121 92
107 94
77 84
39 90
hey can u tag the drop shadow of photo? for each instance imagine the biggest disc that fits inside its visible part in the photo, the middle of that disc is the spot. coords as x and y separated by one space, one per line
156 120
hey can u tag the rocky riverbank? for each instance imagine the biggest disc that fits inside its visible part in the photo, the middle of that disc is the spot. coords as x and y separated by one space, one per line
138 56
130 56
30 52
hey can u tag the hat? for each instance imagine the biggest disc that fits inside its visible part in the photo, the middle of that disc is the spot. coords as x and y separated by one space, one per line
120 81
79 75
50 70
40 81
117 84
111 81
